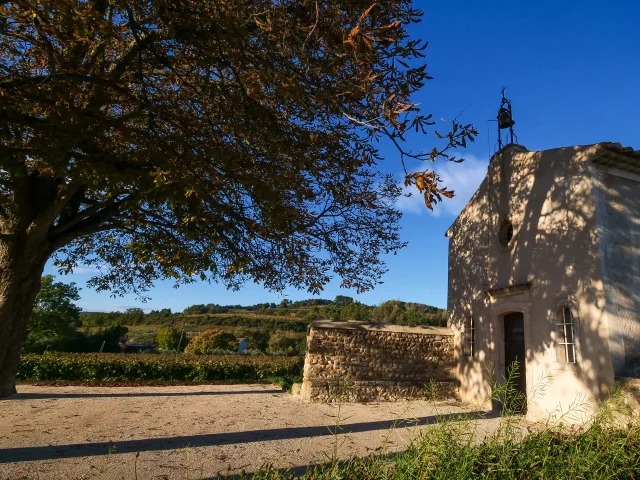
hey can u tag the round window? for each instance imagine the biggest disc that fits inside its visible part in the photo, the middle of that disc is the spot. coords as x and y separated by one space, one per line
506 233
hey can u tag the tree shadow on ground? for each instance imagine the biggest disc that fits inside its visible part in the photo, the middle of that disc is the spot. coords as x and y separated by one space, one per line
39 396
51 452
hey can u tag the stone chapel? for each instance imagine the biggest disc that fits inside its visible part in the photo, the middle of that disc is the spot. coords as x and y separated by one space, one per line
544 272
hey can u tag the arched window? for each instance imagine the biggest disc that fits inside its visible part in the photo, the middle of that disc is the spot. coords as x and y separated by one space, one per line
566 335
505 233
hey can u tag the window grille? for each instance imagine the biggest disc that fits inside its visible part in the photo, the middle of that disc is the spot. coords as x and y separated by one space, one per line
469 337
567 338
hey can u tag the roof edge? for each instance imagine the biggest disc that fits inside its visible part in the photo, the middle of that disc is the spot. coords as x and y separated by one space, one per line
610 154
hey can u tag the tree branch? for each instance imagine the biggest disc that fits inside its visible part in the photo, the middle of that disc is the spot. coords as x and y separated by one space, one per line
88 226
101 211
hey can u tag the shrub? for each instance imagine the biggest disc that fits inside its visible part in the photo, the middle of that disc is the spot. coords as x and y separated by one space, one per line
169 338
356 311
403 313
210 340
287 343
311 316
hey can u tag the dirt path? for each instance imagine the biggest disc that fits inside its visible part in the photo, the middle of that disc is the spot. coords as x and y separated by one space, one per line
190 432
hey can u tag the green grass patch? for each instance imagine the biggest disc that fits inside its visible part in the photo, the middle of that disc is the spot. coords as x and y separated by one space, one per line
444 452
459 446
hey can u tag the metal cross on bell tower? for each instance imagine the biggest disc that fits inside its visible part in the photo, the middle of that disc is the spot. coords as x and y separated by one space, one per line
505 120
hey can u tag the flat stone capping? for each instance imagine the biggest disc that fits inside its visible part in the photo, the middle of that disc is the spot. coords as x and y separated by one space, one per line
379 327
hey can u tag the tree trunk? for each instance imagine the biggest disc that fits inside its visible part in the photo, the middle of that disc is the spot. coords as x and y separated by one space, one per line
20 275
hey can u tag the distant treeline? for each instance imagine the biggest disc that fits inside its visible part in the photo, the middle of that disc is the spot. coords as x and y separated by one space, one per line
287 315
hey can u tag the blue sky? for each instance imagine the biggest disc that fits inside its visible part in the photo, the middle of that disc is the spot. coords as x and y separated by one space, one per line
572 70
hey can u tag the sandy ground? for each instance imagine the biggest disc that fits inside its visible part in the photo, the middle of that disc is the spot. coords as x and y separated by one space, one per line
191 432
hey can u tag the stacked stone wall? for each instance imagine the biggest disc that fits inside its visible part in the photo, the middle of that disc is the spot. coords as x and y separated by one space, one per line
353 361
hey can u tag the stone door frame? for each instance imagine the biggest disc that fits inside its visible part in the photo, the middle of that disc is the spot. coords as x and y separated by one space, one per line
504 301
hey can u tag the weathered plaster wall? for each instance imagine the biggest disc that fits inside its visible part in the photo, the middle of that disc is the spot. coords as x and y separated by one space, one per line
619 216
549 198
354 361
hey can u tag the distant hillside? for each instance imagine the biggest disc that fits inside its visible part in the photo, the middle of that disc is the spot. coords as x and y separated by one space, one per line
287 315
266 327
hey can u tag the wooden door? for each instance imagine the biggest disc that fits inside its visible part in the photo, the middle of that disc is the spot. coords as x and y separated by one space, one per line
514 353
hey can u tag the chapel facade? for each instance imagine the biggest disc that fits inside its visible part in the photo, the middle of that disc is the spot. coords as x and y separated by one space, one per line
544 274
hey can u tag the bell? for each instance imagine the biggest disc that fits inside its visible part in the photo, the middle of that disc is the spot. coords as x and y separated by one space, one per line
504 119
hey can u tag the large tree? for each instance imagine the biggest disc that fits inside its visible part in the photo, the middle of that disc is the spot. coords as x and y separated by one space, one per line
213 139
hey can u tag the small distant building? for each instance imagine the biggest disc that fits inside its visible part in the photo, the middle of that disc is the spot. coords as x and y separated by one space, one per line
544 272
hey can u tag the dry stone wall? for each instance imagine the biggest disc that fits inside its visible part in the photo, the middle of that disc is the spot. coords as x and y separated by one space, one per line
362 362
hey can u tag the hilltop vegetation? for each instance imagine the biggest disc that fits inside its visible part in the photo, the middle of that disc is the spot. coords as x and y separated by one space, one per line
286 315
276 329
267 327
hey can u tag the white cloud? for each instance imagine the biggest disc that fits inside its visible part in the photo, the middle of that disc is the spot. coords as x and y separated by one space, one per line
109 307
84 270
463 178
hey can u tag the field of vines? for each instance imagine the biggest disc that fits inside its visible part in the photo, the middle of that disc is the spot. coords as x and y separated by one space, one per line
105 367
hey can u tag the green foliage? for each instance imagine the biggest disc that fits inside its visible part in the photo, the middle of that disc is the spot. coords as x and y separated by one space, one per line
142 334
391 311
79 341
261 164
150 367
133 316
102 319
246 320
287 343
340 301
211 340
196 310
403 313
311 316
257 340
295 317
159 315
311 302
356 311
151 188
284 303
169 338
55 318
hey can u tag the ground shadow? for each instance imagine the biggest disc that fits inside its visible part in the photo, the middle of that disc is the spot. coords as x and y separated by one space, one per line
300 470
38 396
22 454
